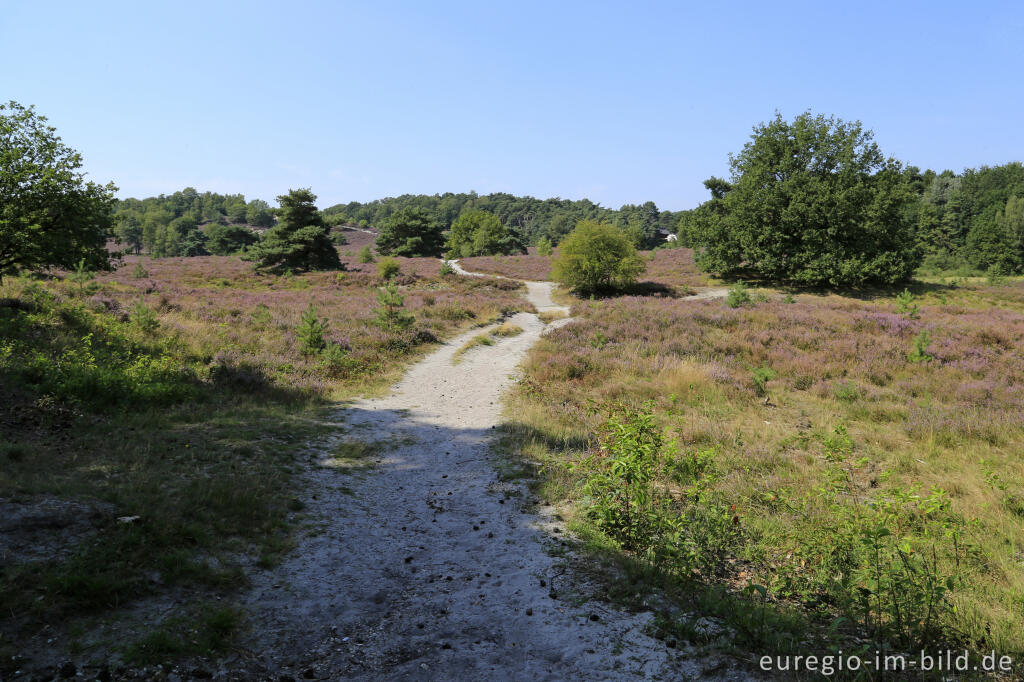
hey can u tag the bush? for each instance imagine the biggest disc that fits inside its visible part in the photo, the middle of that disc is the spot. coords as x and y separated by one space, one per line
447 269
596 257
144 318
920 351
544 247
738 295
388 268
140 272
365 255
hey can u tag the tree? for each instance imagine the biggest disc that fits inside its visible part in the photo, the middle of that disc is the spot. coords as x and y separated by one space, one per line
811 202
128 230
410 232
49 215
596 257
194 243
299 241
1012 221
258 213
479 233
225 240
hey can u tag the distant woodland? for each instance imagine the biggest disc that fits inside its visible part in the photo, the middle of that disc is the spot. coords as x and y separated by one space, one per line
964 222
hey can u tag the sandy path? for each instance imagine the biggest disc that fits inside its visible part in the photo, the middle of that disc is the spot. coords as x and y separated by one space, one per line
427 565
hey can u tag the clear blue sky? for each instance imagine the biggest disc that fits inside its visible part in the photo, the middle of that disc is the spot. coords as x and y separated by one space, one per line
618 102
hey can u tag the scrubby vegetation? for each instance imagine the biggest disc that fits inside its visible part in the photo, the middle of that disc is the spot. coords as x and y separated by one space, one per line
854 460
174 393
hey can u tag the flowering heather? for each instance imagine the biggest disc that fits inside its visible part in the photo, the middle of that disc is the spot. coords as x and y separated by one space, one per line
526 266
954 421
674 268
244 322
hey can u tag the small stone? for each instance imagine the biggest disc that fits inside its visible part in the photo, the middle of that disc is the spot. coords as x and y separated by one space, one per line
446 645
408 559
285 678
309 674
445 476
543 583
594 617
490 535
201 674
476 527
68 670
553 594
501 501
529 612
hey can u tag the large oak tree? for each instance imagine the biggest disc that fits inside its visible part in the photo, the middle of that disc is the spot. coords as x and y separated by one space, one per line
810 202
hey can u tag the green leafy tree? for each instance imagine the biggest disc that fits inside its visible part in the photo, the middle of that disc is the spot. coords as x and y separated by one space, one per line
49 214
299 241
544 247
596 257
479 233
813 202
194 244
128 230
259 214
410 232
225 240
1011 219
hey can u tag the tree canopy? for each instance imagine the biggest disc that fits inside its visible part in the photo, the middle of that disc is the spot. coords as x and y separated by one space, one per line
596 257
812 201
49 214
299 241
479 233
410 232
527 218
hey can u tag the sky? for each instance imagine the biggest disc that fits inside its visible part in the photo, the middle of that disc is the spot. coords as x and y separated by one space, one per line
617 102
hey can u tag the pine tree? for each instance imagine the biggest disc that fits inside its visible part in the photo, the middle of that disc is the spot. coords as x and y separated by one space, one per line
299 241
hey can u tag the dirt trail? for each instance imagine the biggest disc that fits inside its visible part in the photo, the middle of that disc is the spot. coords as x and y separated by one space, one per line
426 565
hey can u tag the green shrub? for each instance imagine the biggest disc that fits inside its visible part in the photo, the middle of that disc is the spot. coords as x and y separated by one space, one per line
447 269
596 257
337 360
388 268
761 377
144 318
365 255
920 353
544 247
140 272
738 295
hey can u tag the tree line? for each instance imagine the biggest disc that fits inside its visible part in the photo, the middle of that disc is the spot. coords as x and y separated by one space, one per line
190 223
812 201
528 219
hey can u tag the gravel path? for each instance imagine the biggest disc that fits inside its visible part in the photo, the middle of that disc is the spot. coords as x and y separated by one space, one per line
426 565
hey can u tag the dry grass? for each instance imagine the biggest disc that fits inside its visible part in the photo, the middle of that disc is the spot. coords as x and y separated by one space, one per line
549 316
